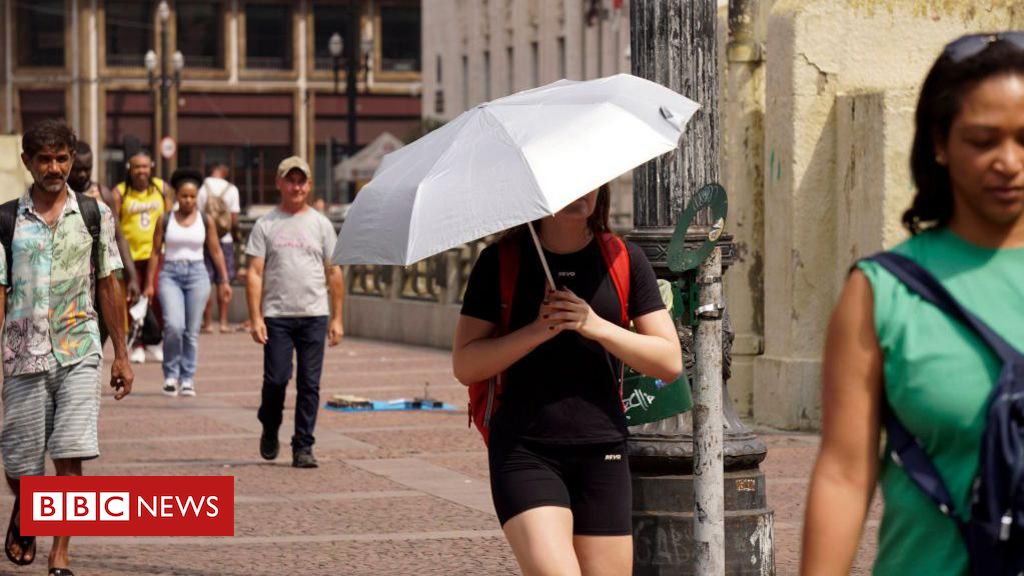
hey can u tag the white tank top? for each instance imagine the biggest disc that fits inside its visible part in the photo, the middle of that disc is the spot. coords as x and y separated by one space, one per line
184 242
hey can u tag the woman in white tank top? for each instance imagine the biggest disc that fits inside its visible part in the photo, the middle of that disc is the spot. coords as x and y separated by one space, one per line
184 285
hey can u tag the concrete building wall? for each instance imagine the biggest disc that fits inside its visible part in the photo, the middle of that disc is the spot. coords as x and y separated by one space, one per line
479 50
842 80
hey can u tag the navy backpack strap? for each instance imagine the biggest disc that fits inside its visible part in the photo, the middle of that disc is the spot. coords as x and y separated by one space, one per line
905 450
922 283
911 457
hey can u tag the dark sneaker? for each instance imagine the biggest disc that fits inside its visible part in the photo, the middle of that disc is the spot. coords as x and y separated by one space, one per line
304 459
269 446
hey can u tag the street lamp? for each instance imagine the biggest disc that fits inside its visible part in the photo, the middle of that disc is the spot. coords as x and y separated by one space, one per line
367 45
165 80
336 48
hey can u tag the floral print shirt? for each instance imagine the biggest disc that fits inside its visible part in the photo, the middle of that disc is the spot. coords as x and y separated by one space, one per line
50 313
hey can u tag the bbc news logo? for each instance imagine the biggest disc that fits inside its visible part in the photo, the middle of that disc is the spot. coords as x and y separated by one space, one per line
128 506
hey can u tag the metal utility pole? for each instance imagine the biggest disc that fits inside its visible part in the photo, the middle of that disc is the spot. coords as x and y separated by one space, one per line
166 80
709 505
680 525
165 86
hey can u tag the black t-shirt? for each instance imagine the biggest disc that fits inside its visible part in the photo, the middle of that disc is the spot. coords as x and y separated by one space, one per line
566 391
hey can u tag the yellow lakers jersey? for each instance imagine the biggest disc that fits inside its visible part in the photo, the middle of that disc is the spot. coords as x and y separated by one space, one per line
139 214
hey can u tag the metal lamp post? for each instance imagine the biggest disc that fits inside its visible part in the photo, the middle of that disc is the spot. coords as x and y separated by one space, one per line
690 516
351 71
336 48
165 80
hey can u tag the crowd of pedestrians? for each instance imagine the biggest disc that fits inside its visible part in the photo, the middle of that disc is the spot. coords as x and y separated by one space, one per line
77 256
551 355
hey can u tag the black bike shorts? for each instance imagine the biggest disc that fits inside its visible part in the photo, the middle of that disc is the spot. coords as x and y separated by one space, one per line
592 480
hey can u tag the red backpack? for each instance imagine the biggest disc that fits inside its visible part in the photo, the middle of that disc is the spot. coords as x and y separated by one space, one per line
485 395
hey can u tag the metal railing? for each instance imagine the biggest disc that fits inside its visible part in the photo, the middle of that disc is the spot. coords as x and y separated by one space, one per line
440 279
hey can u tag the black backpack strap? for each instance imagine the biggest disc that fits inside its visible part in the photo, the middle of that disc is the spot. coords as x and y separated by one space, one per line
8 219
90 210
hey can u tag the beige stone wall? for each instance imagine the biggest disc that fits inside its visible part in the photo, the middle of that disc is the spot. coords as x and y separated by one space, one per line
841 84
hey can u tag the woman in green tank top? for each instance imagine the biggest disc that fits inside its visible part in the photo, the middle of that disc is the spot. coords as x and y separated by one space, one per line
967 227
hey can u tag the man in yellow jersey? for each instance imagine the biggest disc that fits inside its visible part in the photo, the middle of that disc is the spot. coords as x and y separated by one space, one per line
140 201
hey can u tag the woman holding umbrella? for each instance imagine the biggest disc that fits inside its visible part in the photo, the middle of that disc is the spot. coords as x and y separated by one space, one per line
558 465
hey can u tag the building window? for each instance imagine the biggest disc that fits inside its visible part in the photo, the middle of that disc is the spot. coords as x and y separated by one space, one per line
439 92
465 82
511 61
400 38
129 31
534 65
487 75
563 65
201 33
329 19
41 33
268 37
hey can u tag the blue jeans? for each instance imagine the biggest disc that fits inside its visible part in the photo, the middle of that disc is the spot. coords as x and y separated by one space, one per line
305 337
184 289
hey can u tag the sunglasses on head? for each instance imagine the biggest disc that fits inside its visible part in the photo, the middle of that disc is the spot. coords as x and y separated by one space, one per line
973 44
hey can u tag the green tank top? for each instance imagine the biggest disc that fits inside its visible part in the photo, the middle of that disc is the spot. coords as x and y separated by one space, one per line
938 376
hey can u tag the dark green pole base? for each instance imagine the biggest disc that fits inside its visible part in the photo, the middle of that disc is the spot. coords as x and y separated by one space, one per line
663 525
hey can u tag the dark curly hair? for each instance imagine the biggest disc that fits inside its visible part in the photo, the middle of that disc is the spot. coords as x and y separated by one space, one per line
186 175
940 101
49 133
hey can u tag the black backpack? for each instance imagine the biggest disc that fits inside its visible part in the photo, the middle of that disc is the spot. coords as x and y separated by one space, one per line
90 211
994 532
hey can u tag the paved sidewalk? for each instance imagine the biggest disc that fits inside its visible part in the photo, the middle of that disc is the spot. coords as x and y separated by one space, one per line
396 493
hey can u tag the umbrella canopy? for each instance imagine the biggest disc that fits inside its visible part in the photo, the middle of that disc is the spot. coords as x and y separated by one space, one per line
507 162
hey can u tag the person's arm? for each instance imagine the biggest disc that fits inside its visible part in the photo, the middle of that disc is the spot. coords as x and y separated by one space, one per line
477 354
652 350
131 275
112 305
154 259
336 287
217 255
844 476
254 298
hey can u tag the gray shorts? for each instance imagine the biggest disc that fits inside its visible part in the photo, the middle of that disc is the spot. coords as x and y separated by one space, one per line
56 411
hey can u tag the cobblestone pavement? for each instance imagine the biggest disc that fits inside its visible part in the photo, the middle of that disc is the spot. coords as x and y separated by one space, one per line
396 492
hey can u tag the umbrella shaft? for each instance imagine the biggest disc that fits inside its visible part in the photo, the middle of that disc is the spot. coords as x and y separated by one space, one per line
540 252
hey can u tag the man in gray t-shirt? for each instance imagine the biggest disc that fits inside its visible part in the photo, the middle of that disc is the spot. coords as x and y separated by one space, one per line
290 275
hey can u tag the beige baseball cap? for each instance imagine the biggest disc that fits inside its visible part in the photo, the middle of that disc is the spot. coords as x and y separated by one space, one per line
293 163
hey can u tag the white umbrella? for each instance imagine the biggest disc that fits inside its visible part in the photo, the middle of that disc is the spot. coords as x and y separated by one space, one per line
507 162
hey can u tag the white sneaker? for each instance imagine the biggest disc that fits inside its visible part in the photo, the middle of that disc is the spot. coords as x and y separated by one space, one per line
138 356
171 387
188 388
156 352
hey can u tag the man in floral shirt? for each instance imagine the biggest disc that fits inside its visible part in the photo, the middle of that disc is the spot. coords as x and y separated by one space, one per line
51 345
